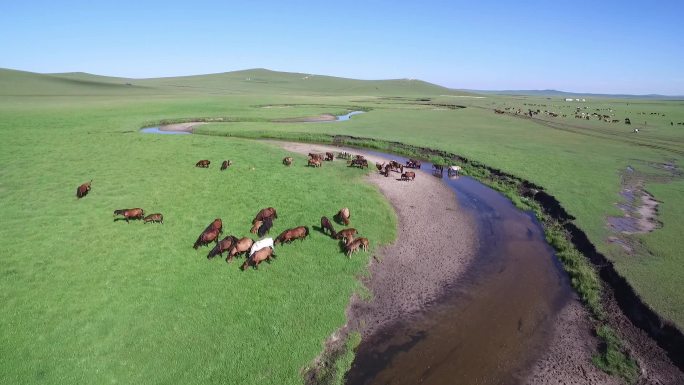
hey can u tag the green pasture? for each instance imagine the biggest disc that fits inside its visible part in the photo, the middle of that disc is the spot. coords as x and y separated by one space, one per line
89 300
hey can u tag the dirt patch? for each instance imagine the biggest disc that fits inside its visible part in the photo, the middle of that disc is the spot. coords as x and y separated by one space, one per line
184 127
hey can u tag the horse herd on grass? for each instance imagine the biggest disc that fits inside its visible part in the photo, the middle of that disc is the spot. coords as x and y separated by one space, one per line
263 249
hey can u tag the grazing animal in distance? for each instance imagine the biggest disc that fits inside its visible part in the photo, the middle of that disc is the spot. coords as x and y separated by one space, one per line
241 246
255 227
408 175
288 160
314 163
226 164
316 156
353 246
223 245
136 213
83 189
346 234
204 163
379 166
329 156
343 216
265 227
154 218
290 235
268 212
326 225
264 254
216 224
206 238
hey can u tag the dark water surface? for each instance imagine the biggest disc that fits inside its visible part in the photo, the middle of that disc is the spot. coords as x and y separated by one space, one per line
490 325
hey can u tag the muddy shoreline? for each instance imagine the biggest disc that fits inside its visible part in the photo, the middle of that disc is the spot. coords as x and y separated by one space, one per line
184 127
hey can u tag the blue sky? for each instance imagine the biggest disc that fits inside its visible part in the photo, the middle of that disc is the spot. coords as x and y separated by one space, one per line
606 46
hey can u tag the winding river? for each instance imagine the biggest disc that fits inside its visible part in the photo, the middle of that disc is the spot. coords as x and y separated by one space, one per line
491 325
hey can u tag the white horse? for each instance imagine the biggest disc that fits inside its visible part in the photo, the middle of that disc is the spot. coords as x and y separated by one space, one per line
258 245
454 170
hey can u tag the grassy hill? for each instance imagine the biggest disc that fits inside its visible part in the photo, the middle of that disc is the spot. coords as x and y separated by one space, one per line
252 81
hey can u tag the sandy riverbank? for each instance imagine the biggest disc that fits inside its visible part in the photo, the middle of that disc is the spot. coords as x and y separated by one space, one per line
185 127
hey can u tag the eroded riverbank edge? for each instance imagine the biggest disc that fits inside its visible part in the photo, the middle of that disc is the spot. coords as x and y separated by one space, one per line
566 357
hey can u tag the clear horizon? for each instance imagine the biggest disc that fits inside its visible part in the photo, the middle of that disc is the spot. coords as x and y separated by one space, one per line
609 48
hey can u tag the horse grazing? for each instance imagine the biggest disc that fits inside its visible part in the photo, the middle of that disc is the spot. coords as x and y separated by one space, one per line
326 225
316 156
136 213
225 164
343 216
413 163
329 156
291 234
264 254
346 234
287 160
241 246
83 189
223 245
359 162
255 227
217 224
265 227
204 163
268 212
206 238
352 247
408 175
154 218
314 163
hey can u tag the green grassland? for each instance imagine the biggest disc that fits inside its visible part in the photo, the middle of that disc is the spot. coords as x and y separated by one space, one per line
86 299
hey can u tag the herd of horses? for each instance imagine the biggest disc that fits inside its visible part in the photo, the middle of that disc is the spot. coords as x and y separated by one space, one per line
262 249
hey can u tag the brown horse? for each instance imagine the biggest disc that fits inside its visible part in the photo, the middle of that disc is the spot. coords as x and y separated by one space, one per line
379 166
329 156
264 254
225 164
315 156
346 234
255 227
136 213
291 234
206 238
217 224
83 189
353 246
326 225
287 161
203 163
241 246
314 163
268 212
343 216
154 218
223 245
408 175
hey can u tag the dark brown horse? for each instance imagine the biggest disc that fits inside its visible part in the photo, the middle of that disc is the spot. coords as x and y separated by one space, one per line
329 156
315 156
326 225
343 216
136 213
241 246
203 163
206 238
154 218
408 175
265 227
268 212
292 234
83 189
223 245
225 164
264 254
